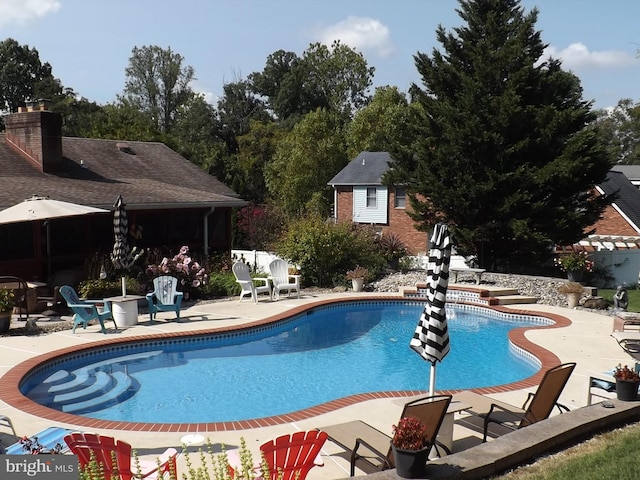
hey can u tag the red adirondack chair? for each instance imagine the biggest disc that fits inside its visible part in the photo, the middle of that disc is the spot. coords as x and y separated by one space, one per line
122 465
291 456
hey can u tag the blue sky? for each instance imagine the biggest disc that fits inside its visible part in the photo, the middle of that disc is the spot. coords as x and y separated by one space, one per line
89 42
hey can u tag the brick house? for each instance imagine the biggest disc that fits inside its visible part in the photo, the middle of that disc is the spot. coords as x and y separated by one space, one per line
170 201
361 197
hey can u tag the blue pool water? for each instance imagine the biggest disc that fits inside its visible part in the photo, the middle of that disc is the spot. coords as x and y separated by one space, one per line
325 354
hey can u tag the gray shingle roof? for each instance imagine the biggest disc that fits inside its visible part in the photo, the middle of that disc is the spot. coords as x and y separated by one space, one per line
94 172
366 169
628 200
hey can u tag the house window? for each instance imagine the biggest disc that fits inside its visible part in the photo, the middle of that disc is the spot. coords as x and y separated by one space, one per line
371 197
401 198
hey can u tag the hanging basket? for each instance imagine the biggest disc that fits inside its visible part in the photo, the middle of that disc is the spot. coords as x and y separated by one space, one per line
410 463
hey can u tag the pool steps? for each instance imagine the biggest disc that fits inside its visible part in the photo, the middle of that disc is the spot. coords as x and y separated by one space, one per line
477 295
92 387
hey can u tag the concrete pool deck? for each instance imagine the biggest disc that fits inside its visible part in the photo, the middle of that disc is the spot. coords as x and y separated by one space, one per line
586 341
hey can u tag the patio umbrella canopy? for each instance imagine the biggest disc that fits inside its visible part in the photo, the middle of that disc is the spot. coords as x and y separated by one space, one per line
431 337
43 208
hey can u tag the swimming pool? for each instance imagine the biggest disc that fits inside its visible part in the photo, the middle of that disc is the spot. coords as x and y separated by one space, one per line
326 353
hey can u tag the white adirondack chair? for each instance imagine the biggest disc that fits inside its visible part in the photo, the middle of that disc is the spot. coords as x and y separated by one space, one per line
281 279
250 286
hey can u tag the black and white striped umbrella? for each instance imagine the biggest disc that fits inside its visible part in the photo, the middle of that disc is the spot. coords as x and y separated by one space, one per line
431 338
121 256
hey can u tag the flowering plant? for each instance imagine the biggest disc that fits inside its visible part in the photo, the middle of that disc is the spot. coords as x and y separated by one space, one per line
189 272
358 272
575 262
33 447
409 434
626 374
7 299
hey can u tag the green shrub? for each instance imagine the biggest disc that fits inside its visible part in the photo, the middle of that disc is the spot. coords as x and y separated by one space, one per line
324 251
221 284
108 288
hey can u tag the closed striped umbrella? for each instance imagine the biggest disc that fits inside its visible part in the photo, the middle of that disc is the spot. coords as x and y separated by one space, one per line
431 338
121 256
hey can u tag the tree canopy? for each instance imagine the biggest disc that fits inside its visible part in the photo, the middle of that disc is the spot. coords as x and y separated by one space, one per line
502 152
158 83
23 76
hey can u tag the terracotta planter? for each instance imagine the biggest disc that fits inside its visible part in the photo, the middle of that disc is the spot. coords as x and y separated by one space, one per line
410 463
357 284
626 390
573 299
5 321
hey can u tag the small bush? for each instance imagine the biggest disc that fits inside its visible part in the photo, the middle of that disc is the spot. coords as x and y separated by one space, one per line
221 284
324 251
108 288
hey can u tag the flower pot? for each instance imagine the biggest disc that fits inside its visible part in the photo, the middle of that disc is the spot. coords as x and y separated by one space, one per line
357 284
410 463
573 299
575 275
627 390
5 321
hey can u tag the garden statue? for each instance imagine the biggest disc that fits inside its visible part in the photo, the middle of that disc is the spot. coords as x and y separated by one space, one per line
621 298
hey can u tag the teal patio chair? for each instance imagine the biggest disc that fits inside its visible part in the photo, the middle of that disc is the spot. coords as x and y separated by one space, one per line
86 310
165 296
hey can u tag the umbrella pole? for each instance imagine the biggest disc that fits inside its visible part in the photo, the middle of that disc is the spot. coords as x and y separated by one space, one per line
48 240
432 380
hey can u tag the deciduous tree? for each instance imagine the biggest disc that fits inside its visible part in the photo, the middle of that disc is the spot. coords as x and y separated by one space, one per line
305 160
158 83
23 76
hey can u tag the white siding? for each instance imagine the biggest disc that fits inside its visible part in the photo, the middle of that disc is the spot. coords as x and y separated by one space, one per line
362 214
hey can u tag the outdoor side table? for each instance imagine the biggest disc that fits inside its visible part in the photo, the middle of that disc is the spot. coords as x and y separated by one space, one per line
124 309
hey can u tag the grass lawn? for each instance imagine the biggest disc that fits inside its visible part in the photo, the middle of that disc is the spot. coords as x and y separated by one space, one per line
607 456
634 298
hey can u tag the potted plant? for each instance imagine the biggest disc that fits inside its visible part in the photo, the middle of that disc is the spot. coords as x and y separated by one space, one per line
357 276
410 447
7 302
573 291
575 264
627 382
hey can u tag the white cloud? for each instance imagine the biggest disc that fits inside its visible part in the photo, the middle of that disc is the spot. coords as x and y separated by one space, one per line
361 33
577 55
21 11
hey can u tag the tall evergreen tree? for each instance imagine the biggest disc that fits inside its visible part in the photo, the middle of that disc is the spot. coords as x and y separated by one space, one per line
504 155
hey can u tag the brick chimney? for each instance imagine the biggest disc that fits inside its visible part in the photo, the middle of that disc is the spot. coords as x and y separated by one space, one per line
36 133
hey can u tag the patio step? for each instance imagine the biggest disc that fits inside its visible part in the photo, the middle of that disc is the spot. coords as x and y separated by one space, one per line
470 294
516 299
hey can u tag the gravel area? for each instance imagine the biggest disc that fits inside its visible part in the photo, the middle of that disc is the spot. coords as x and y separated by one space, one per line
543 288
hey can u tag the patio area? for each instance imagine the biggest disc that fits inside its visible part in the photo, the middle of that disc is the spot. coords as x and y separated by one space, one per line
586 341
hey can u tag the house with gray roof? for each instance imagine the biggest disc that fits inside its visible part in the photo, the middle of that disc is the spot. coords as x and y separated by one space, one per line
170 201
361 197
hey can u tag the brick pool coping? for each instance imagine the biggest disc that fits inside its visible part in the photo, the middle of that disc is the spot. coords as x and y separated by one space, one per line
12 396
